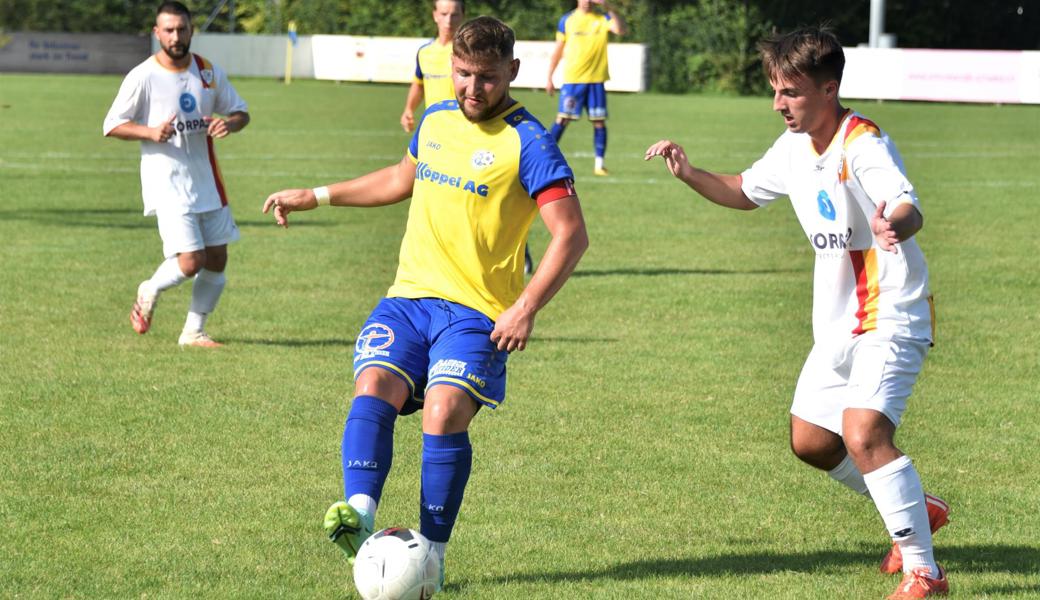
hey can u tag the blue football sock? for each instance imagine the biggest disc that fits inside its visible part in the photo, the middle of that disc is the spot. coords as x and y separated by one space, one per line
368 446
557 131
599 140
446 462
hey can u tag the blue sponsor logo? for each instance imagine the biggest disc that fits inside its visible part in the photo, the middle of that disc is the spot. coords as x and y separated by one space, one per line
823 202
188 103
423 172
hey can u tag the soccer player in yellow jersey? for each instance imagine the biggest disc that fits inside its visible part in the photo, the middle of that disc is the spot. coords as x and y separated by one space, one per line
432 82
581 41
479 169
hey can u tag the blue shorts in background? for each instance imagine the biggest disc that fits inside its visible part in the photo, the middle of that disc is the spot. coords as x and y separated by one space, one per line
577 96
429 341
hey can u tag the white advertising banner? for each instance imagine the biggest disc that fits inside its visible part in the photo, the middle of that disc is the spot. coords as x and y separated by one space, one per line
392 60
991 76
32 52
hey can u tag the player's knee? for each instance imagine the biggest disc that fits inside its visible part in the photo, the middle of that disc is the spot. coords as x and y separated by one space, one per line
816 452
191 262
863 445
378 382
216 259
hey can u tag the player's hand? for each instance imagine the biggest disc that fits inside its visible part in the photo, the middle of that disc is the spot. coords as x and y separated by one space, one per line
883 231
407 121
674 158
164 132
216 128
550 88
513 328
286 201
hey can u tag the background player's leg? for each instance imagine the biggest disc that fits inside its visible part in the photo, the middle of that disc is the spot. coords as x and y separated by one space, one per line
599 143
558 128
206 290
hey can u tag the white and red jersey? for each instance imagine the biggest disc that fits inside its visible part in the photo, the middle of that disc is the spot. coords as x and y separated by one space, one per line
182 173
858 287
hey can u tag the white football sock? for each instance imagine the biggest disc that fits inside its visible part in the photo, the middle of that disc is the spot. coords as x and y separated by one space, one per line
205 293
168 275
599 162
848 475
440 548
899 497
363 502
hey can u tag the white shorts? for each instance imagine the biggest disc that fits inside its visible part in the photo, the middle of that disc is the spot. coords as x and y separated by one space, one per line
868 371
195 231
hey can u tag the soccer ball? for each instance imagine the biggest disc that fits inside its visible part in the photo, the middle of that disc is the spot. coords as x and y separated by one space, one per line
397 564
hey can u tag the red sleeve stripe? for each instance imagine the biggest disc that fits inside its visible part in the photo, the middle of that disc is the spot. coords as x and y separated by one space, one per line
554 191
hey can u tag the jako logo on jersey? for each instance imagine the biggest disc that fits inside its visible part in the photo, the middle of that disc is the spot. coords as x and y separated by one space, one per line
481 159
823 202
423 172
833 241
369 465
188 103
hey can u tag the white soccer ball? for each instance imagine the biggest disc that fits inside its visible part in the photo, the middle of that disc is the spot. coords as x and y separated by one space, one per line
397 564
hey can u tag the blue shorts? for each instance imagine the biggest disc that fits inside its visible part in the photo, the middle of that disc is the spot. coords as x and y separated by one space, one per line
577 96
429 341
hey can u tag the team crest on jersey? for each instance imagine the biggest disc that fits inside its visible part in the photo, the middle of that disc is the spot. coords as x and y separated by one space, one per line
826 207
207 76
373 340
482 159
187 102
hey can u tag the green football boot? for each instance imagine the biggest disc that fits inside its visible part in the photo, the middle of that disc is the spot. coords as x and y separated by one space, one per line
348 528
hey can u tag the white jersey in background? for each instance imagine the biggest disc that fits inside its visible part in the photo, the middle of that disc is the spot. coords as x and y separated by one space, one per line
181 174
858 287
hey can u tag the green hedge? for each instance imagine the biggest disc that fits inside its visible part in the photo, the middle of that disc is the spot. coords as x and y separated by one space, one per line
694 45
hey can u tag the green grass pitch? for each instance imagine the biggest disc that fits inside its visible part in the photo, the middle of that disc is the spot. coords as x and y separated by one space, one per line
642 450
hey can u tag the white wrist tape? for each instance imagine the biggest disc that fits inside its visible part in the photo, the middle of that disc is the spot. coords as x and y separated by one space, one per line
322 195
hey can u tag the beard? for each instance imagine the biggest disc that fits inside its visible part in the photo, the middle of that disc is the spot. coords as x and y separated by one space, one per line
177 51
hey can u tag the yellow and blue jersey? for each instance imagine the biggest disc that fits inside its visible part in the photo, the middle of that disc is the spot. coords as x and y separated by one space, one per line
472 205
585 50
433 71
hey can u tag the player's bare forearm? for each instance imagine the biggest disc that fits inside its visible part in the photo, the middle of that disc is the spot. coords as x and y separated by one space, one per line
388 185
378 188
901 224
411 102
617 22
723 190
134 132
236 121
564 220
554 61
566 224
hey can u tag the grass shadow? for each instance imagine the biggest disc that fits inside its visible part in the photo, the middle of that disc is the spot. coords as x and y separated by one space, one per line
966 559
662 272
120 218
290 343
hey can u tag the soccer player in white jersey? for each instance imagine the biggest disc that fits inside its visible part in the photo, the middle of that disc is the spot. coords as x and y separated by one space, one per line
167 103
872 317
